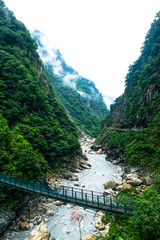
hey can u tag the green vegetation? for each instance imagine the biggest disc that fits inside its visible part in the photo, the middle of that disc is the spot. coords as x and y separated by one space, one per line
36 133
139 148
133 129
145 221
86 113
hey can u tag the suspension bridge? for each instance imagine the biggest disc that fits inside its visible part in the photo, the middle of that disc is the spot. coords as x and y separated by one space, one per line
86 198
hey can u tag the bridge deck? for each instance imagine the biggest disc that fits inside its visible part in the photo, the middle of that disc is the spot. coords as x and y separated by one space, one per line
83 197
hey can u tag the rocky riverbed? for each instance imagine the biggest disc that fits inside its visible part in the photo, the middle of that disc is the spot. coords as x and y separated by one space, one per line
46 219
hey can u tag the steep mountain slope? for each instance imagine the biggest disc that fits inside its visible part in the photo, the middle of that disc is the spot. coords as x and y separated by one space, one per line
131 135
80 97
35 129
138 108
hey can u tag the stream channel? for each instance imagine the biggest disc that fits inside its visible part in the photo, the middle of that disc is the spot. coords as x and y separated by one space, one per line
60 225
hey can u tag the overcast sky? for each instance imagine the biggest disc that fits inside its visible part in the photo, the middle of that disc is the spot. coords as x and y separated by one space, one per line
98 38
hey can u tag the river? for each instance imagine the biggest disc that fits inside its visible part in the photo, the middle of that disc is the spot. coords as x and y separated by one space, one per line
60 224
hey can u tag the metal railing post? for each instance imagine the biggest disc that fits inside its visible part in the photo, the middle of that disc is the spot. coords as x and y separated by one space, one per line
66 194
63 190
86 198
98 201
72 192
104 198
75 197
92 196
82 194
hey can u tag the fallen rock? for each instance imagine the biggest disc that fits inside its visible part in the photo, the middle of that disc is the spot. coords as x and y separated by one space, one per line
99 151
120 187
99 214
74 178
90 237
147 180
31 225
100 227
49 200
84 166
40 233
133 179
108 191
113 183
77 184
127 185
24 226
58 203
85 157
49 213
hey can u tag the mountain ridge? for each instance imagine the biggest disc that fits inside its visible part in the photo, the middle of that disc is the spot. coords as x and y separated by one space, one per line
79 95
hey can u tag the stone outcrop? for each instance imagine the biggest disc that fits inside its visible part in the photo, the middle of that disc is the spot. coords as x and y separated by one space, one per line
7 216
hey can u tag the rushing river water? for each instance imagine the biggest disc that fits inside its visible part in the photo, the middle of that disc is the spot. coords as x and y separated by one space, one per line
60 224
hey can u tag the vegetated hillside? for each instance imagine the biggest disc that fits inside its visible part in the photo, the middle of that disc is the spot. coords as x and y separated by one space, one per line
138 108
34 127
80 97
132 129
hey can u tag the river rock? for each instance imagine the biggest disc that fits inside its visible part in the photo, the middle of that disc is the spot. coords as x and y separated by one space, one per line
84 166
108 191
133 179
24 226
49 200
120 187
100 227
85 157
99 151
99 214
40 233
58 203
77 184
75 178
49 213
23 218
147 180
90 237
113 183
127 185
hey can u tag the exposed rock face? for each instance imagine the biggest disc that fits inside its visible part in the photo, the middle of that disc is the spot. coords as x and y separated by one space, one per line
7 217
40 233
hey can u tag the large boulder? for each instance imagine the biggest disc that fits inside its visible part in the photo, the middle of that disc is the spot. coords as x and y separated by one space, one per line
134 179
40 233
24 226
99 151
113 183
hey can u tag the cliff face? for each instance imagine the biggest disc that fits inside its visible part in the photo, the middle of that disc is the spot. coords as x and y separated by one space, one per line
132 126
140 102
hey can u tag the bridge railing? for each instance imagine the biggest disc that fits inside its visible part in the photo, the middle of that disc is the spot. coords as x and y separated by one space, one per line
72 194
